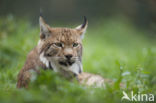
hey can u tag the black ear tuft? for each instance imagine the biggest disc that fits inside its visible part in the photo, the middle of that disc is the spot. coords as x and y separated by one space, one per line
84 23
41 14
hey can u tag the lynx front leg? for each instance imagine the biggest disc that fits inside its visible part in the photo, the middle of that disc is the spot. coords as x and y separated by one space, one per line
23 79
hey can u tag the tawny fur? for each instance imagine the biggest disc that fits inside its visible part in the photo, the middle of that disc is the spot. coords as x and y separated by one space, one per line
54 46
94 80
48 55
32 63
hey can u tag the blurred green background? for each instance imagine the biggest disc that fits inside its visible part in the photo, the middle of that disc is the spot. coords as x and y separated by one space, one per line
120 44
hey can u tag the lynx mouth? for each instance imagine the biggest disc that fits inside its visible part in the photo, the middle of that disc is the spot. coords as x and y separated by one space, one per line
66 63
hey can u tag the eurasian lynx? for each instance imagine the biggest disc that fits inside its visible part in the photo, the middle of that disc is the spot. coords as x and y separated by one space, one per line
59 49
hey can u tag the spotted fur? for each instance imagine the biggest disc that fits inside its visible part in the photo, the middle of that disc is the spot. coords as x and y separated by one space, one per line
59 49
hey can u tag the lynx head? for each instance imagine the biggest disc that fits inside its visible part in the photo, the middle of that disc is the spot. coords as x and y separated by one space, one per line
62 47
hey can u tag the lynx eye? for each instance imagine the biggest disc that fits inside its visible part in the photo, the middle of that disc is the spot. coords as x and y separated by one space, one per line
58 44
75 44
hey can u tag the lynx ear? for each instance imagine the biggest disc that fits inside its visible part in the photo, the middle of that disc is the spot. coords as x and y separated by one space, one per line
81 29
44 28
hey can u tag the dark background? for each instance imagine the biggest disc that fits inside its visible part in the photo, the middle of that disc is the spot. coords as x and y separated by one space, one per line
141 12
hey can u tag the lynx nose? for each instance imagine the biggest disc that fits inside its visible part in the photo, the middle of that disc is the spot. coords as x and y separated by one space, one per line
69 56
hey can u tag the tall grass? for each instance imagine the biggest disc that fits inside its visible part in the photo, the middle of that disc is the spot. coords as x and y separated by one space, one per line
114 49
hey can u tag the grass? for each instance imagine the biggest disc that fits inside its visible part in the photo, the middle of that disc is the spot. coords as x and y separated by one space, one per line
114 48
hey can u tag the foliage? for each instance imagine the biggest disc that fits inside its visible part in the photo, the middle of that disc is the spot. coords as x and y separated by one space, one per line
115 50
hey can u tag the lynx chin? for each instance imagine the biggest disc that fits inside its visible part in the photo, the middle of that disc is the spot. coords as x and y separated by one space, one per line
59 49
